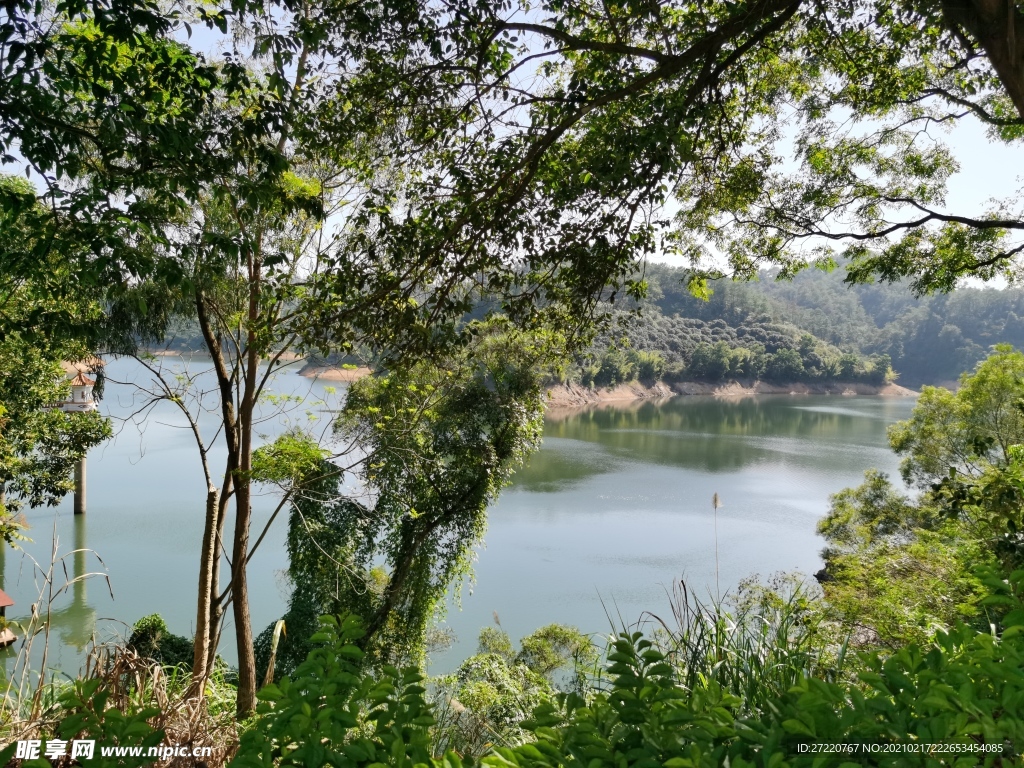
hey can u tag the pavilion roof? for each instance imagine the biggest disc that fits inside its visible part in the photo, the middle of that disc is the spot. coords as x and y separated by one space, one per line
90 363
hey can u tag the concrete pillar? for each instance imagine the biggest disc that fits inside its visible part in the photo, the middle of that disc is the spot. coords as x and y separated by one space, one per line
80 487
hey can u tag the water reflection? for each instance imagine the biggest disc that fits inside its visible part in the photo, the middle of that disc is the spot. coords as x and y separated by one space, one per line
63 587
706 434
75 623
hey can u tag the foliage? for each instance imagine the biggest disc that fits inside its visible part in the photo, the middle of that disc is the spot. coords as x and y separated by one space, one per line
39 444
991 505
896 569
908 696
150 638
929 339
963 688
739 331
107 110
289 461
212 185
486 700
872 188
968 430
555 647
86 712
358 720
435 443
122 700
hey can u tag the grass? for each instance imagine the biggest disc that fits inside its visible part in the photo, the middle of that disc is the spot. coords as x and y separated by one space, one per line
756 645
30 706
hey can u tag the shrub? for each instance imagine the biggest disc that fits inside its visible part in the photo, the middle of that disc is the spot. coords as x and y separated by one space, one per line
487 699
650 366
615 368
785 365
332 712
151 638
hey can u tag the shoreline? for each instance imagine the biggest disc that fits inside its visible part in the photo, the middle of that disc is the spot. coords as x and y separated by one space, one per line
576 395
334 373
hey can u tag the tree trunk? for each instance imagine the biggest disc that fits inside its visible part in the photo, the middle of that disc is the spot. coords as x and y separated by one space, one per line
209 608
216 599
208 556
998 28
247 681
239 584
240 605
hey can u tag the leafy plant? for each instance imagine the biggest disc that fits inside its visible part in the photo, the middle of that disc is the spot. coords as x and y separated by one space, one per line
151 638
88 714
489 697
331 712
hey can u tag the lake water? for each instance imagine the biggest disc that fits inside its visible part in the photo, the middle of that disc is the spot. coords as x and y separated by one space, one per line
614 507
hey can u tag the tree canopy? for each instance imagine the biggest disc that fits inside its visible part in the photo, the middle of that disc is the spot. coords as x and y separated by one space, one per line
39 444
540 150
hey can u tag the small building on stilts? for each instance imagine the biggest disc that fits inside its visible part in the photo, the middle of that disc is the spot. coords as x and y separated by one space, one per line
6 635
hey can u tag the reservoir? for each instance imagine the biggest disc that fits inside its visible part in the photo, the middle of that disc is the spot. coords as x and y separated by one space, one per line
615 506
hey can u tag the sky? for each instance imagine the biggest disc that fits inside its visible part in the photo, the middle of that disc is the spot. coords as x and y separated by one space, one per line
987 169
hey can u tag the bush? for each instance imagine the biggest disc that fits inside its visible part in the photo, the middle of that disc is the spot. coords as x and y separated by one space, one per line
615 368
151 638
710 362
488 698
332 712
784 366
964 690
650 366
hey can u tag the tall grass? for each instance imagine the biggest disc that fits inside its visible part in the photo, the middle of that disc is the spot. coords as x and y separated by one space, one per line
31 707
30 691
755 645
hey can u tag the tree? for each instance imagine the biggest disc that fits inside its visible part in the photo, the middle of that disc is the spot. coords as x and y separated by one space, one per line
897 568
39 444
650 366
785 365
901 565
109 115
433 445
968 430
874 185
492 694
710 362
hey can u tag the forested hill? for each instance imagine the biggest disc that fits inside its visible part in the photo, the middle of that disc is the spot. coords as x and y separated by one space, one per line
928 340
814 327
